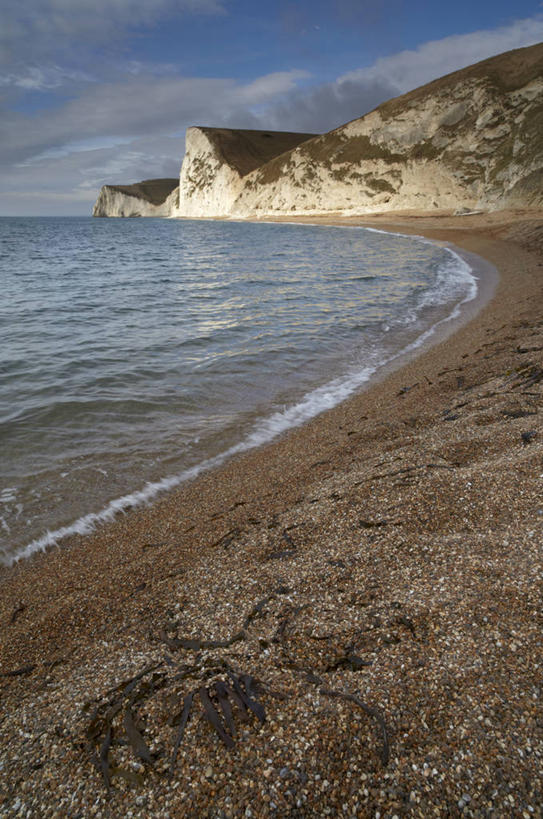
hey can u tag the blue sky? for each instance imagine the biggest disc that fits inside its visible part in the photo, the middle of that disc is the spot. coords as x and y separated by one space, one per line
102 92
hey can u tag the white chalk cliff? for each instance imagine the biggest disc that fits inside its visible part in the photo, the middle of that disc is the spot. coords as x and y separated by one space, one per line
216 162
470 140
152 197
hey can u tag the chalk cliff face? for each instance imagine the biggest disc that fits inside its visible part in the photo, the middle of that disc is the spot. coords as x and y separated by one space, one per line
152 197
473 139
216 162
470 140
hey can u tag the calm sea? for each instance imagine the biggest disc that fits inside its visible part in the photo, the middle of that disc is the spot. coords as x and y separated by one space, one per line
134 353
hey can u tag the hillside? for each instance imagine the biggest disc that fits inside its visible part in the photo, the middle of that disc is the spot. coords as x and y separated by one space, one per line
472 139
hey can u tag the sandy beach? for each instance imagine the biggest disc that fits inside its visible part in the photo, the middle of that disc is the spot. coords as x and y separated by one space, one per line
346 622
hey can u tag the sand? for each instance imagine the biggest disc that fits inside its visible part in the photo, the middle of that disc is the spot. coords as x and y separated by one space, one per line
379 571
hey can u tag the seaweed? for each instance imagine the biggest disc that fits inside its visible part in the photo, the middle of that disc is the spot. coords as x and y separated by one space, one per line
135 738
224 690
187 704
19 672
370 711
213 717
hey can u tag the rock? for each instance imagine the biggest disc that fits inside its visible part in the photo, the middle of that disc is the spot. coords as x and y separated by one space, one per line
447 144
216 162
465 143
152 197
528 436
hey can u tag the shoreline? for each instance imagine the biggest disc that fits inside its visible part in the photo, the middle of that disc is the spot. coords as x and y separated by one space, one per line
400 528
485 277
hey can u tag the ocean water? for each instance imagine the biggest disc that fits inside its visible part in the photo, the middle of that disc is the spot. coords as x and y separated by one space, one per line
136 352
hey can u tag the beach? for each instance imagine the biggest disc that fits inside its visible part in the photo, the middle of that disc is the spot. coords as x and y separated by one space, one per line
372 580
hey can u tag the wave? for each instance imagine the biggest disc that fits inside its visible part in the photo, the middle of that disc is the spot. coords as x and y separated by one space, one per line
312 404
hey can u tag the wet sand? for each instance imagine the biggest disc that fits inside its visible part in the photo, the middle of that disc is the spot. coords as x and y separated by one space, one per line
378 570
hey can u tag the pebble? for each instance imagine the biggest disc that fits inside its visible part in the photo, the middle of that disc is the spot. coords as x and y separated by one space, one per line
459 704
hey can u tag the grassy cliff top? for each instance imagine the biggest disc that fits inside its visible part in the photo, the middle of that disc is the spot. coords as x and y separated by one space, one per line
506 72
154 191
246 150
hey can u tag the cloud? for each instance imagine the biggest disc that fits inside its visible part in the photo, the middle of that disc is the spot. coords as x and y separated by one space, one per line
40 30
132 126
270 86
135 106
409 69
120 132
51 184
357 92
45 78
323 108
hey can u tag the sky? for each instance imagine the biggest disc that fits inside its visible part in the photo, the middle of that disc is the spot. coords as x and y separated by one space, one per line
96 92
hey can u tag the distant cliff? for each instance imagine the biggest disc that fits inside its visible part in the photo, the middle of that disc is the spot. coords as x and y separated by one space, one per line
470 140
152 197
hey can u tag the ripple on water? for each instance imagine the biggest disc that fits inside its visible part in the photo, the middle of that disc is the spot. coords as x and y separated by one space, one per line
123 365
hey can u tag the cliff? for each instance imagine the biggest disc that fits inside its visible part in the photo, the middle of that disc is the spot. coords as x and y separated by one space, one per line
218 159
472 139
152 197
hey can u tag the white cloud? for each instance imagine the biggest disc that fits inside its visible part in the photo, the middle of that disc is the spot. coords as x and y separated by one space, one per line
410 69
119 132
49 185
108 113
39 30
45 78
357 92
270 86
132 126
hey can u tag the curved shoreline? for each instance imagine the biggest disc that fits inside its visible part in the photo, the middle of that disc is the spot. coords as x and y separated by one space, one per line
484 276
401 528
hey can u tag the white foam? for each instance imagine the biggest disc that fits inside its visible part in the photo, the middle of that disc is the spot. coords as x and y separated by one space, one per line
315 402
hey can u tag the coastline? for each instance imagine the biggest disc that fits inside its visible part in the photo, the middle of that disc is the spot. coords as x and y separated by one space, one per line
395 522
339 384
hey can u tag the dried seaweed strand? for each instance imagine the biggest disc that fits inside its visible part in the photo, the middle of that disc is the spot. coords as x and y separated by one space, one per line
371 712
135 738
104 758
191 644
212 716
18 672
234 696
256 707
222 696
182 725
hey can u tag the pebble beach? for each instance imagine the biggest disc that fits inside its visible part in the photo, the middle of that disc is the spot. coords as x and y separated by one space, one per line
346 622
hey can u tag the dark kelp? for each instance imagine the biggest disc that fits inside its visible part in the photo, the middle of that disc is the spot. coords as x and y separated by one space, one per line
212 716
221 691
135 738
187 704
371 712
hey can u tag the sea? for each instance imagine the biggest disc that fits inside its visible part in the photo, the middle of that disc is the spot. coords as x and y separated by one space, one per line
135 353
